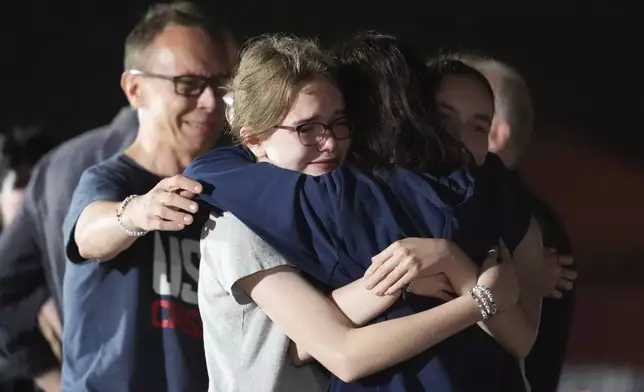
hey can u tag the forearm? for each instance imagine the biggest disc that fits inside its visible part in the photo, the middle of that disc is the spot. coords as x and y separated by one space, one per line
461 270
98 235
530 300
379 346
358 353
311 320
512 330
358 304
516 329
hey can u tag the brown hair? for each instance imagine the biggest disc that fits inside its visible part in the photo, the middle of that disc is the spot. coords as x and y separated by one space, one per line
387 95
271 71
162 15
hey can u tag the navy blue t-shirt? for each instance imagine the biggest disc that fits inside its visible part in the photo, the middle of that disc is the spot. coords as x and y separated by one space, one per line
332 225
132 323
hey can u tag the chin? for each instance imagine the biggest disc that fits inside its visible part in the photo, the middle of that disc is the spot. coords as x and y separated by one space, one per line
315 172
202 140
201 129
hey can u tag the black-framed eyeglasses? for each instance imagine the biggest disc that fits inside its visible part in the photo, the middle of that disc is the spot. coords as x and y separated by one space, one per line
188 85
314 133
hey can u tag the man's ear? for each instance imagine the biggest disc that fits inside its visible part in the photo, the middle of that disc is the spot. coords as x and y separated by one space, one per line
132 89
499 136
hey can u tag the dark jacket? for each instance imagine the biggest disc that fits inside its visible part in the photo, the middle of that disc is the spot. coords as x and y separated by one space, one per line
32 257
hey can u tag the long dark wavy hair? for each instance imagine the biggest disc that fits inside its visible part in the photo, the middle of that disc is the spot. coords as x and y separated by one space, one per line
388 96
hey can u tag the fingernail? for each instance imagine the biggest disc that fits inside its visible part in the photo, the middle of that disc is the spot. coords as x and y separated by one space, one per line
368 286
187 219
197 188
180 226
193 207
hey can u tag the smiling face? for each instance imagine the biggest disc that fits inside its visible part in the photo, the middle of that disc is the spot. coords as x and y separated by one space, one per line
318 101
466 109
191 123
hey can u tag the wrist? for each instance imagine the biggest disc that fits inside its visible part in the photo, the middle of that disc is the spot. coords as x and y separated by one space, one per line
484 300
450 259
125 213
473 309
460 271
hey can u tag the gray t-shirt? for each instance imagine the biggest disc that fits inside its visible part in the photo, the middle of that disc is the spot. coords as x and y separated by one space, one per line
245 350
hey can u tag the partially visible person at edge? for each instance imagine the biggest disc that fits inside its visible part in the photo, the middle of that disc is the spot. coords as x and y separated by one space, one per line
465 103
316 235
509 137
22 148
130 301
33 260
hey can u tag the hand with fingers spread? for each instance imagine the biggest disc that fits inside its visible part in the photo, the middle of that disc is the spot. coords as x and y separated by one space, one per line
167 207
561 275
405 260
435 286
500 278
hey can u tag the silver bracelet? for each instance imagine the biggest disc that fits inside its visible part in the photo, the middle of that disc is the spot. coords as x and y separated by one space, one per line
479 303
119 214
410 286
486 297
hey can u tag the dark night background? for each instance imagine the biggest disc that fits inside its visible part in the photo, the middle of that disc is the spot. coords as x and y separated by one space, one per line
62 62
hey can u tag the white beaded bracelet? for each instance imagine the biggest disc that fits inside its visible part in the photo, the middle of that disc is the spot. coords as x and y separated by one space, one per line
119 214
486 297
484 314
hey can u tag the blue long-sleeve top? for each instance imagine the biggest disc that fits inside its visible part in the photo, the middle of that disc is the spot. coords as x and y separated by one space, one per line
330 226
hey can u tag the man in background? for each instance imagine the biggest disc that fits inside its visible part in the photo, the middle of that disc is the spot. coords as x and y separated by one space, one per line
22 148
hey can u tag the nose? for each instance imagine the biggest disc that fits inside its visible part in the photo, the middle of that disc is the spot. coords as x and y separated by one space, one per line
457 129
209 99
328 143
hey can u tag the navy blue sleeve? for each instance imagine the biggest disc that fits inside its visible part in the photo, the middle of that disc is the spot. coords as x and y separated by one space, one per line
297 214
99 182
24 351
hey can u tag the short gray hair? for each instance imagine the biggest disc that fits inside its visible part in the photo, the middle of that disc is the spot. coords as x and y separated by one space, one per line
161 15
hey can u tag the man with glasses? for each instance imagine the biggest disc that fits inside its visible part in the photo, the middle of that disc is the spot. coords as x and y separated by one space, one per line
132 230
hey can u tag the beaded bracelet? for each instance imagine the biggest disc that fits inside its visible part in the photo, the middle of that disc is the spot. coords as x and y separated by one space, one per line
119 214
410 286
478 301
486 297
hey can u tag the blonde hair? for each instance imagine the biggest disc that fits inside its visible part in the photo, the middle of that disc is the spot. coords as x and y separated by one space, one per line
270 73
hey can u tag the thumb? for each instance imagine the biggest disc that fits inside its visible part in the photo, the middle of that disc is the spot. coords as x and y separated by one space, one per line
491 259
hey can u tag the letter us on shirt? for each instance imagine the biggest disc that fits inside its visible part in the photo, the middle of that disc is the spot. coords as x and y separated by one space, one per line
175 277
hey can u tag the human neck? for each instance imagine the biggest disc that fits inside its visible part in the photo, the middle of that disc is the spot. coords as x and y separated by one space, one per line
158 156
